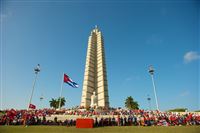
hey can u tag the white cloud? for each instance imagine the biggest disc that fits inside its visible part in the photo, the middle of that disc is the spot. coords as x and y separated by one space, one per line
4 16
191 56
135 77
184 93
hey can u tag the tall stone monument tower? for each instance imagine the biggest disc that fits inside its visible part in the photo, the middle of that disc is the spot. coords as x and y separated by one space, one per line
95 77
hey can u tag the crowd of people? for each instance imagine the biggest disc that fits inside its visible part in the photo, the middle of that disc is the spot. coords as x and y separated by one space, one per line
114 117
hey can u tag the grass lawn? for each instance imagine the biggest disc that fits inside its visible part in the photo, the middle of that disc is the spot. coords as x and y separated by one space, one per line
128 129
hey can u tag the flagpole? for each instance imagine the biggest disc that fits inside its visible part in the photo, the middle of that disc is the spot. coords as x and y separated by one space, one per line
37 70
61 90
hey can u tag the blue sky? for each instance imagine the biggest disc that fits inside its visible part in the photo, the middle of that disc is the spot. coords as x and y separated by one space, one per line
137 34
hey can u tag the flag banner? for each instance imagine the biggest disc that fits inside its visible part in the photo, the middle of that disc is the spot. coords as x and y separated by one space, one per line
13 111
32 106
69 81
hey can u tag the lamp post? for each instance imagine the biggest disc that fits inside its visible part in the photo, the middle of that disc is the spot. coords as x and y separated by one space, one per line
149 101
151 71
37 70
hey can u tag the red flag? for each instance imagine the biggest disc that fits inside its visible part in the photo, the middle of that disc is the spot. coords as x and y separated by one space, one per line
66 78
12 111
32 106
69 81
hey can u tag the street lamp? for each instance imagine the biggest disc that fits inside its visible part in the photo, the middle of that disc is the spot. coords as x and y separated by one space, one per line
37 70
151 71
149 101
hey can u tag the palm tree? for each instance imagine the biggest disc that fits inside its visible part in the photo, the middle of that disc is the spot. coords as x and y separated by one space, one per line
55 102
131 104
62 101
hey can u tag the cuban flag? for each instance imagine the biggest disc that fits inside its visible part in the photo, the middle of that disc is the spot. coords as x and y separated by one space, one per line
70 81
32 106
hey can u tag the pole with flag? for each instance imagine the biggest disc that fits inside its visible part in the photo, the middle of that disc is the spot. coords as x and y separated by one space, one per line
37 70
70 82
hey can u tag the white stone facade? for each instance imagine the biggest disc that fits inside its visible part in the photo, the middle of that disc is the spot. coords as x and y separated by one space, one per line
95 77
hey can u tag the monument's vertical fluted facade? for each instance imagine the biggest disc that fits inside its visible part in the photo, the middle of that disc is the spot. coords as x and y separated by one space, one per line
95 77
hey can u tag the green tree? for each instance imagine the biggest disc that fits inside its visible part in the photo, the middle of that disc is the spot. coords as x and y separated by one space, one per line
55 102
178 110
131 104
62 101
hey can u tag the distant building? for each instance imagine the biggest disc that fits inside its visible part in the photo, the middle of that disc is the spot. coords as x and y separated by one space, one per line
95 77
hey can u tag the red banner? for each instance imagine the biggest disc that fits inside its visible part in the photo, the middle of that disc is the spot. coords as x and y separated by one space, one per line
32 106
84 123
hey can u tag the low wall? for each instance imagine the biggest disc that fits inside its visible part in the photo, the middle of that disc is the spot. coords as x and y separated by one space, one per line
74 117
